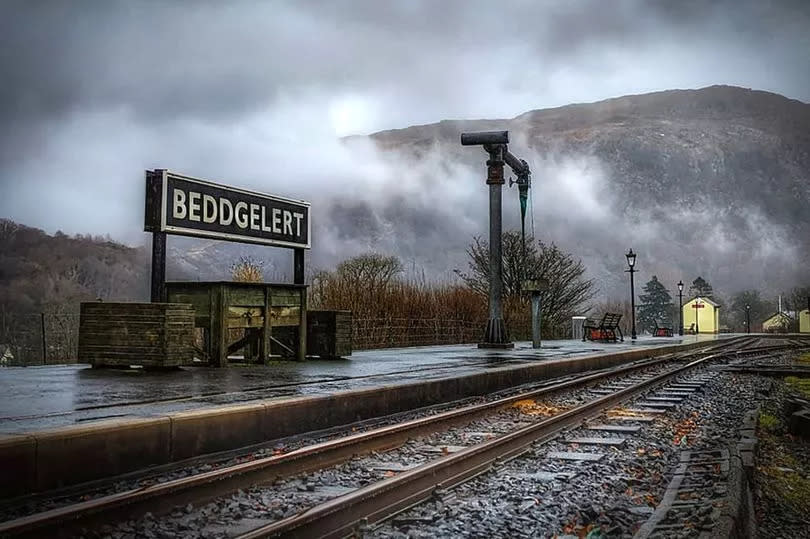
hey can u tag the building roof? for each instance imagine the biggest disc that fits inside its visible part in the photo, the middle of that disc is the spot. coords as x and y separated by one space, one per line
703 299
775 315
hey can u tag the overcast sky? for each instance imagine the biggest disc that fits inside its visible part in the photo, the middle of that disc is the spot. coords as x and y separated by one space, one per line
256 93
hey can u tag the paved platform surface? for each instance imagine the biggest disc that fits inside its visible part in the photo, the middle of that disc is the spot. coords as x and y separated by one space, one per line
35 398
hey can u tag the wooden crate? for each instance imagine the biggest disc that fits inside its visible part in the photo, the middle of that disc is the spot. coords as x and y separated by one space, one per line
223 309
155 335
329 333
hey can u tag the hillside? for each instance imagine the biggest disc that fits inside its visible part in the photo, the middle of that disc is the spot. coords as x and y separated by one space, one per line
713 181
42 272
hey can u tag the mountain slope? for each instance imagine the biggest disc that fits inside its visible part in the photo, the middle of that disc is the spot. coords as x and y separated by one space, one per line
713 181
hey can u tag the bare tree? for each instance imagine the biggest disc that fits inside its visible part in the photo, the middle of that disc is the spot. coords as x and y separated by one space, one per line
247 270
372 270
568 289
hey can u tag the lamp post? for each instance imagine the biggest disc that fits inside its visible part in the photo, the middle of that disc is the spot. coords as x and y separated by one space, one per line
680 308
631 261
748 319
697 324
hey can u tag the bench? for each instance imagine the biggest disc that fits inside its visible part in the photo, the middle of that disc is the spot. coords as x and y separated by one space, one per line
602 330
661 331
691 329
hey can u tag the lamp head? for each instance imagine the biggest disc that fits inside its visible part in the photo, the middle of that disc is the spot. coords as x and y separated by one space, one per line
680 286
631 258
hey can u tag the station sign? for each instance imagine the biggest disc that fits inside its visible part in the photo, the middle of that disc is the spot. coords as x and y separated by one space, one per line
534 285
186 206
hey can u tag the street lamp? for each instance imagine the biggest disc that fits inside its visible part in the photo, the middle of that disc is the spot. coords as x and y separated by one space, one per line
680 308
748 319
631 261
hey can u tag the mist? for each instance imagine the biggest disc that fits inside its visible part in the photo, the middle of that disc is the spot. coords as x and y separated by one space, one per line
265 96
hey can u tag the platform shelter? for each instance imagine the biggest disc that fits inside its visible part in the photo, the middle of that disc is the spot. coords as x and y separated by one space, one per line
701 315
804 321
777 323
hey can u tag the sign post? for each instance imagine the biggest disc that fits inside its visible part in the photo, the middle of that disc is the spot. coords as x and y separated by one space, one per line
186 206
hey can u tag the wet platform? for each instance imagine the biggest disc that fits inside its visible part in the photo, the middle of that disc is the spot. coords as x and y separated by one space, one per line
37 398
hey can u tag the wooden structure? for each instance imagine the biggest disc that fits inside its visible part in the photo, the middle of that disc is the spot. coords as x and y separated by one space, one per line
603 330
777 323
804 321
705 318
661 331
329 333
258 318
152 335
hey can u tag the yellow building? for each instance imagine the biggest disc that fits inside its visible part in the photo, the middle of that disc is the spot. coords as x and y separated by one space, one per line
804 321
704 319
777 323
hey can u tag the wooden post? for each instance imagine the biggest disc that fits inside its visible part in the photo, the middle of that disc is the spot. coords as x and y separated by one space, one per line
158 267
219 326
152 223
267 331
302 328
298 278
298 266
44 341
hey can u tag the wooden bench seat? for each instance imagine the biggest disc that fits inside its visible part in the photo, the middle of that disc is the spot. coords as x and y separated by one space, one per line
603 330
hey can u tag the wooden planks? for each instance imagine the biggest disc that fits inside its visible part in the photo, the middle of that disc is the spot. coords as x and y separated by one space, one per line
329 333
146 334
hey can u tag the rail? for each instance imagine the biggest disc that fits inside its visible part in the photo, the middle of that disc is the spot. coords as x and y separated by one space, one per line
206 486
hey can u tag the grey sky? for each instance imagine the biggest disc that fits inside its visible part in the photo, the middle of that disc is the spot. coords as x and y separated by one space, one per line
256 93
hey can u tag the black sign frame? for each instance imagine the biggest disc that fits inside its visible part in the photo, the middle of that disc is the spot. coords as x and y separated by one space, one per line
158 205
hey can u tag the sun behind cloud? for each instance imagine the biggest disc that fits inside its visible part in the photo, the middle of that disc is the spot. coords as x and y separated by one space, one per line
353 115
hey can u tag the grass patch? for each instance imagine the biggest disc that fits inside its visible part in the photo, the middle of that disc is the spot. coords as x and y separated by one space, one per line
799 385
804 358
769 422
787 486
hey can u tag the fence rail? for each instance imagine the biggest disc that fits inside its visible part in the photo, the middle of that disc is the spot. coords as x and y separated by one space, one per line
369 333
50 338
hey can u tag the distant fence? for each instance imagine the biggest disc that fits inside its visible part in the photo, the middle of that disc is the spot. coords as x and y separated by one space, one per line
38 338
368 333
48 339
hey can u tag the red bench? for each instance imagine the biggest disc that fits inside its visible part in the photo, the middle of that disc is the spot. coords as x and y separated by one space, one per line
602 330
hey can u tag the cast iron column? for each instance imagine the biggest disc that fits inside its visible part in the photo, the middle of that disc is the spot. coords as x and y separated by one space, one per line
748 319
495 335
632 304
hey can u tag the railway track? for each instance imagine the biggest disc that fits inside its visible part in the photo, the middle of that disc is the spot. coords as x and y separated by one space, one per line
342 516
379 500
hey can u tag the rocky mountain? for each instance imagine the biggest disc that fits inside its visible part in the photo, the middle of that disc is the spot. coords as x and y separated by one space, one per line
712 182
